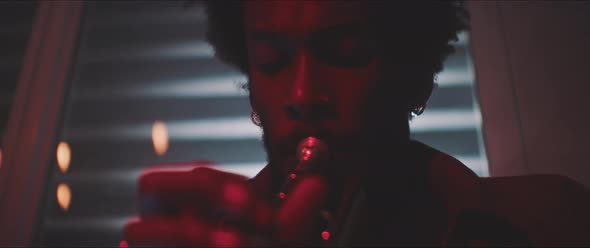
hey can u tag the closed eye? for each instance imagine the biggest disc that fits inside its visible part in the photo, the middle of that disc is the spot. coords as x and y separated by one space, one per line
269 52
263 53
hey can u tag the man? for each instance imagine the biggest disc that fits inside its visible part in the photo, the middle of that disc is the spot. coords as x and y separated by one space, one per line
350 74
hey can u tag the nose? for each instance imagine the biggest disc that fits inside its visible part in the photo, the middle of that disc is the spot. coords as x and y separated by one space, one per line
308 99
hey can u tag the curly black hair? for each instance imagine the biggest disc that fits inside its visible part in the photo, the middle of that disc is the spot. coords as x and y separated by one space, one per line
413 34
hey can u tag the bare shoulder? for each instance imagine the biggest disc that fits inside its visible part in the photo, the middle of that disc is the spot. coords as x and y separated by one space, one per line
451 179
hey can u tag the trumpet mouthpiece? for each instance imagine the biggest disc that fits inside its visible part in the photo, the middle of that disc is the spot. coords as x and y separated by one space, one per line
309 151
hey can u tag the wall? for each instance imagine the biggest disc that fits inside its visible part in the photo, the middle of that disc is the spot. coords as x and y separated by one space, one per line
532 61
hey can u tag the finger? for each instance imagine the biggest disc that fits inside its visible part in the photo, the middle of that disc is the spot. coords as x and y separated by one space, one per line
157 231
166 191
259 219
185 231
299 211
210 193
152 186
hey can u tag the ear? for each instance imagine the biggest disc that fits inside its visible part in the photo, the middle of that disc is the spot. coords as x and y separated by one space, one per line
423 92
247 87
252 103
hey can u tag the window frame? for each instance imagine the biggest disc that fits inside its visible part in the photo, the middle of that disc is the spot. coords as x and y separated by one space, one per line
502 127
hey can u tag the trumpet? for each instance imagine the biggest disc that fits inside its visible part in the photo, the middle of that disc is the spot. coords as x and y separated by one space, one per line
311 153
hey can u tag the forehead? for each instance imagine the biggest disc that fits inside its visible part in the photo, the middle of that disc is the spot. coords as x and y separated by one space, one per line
302 16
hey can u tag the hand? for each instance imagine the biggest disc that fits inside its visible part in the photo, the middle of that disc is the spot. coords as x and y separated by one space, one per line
185 209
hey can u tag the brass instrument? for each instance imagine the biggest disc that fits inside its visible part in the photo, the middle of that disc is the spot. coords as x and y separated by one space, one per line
311 152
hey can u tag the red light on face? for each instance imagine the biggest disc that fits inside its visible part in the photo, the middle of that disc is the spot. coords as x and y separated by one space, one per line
325 235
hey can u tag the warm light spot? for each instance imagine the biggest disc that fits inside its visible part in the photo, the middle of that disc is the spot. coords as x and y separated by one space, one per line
64 196
293 175
64 156
160 138
0 158
282 195
123 244
326 235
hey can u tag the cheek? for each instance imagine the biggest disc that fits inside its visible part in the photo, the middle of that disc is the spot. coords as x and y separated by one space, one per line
267 96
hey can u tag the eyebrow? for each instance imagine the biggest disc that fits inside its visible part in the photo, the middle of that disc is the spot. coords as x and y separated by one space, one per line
347 28
266 35
340 29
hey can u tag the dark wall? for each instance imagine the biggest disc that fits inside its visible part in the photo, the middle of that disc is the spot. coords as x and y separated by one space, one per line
16 21
532 63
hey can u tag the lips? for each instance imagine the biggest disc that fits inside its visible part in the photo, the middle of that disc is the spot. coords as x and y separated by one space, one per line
299 133
341 146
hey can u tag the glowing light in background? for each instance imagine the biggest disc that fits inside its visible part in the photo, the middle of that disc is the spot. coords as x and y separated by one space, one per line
64 196
123 244
64 156
0 158
160 137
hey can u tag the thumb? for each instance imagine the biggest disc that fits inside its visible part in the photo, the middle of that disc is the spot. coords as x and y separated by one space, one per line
300 209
